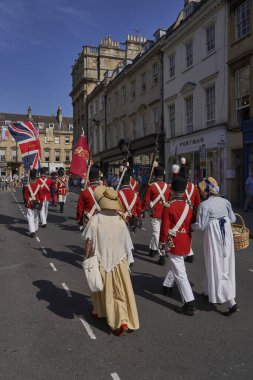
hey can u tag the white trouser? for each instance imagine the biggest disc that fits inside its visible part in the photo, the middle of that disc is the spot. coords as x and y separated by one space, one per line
62 198
177 266
156 226
44 212
33 219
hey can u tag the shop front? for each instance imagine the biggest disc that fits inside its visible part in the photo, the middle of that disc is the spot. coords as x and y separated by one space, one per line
205 153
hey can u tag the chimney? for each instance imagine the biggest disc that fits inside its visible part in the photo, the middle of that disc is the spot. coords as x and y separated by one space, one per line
30 116
59 115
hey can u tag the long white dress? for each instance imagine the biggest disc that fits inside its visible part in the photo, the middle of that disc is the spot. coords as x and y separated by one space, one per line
214 217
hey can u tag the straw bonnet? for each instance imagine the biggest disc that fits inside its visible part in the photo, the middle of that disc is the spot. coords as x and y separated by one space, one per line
107 198
209 185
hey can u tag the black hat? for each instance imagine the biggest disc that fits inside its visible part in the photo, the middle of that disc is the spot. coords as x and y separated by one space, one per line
61 171
94 172
159 171
125 179
43 171
179 184
184 172
33 174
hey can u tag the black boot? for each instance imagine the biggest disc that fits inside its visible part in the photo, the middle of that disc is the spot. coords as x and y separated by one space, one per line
61 207
189 308
167 290
161 260
189 259
152 253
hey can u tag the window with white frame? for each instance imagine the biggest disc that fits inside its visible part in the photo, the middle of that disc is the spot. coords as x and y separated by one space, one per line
67 140
171 65
155 119
45 140
172 119
143 82
2 154
242 19
123 92
51 125
41 125
242 94
189 114
143 125
57 139
133 89
210 106
210 38
155 73
13 154
7 122
47 155
189 54
57 156
67 155
70 127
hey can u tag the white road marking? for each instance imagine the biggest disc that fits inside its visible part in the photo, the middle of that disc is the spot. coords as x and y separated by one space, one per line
44 250
37 238
53 267
115 376
87 327
143 229
67 289
11 266
251 270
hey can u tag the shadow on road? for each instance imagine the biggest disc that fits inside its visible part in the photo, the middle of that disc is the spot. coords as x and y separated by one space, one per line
68 307
73 257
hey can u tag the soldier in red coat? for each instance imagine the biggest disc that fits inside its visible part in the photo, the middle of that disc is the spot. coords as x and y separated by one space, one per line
157 195
62 188
192 196
133 183
46 185
175 232
86 206
33 198
130 200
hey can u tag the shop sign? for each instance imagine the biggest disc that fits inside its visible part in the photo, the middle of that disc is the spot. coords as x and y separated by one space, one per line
191 142
202 156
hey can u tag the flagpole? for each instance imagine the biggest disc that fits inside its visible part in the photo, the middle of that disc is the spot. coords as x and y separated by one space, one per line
90 145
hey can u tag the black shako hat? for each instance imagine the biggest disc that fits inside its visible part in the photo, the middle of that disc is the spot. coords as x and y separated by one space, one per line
43 171
33 174
159 171
126 179
179 184
94 172
184 172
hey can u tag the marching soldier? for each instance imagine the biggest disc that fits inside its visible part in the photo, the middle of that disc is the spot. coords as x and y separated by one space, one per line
192 196
33 198
46 185
87 206
62 188
175 232
157 195
130 201
133 183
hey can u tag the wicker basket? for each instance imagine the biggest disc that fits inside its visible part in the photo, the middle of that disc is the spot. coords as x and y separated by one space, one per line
240 234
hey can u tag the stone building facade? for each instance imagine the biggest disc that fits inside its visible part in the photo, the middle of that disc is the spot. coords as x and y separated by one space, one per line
240 93
56 137
89 69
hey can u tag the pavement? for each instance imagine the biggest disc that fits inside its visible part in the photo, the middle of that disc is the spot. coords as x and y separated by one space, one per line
47 331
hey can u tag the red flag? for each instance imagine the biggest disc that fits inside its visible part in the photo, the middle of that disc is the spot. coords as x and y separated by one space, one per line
80 157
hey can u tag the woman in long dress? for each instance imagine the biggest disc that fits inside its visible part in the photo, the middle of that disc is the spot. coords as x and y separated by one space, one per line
214 217
112 244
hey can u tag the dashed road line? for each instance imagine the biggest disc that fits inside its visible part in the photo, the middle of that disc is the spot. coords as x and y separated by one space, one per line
37 238
53 267
44 250
87 327
115 376
67 289
251 270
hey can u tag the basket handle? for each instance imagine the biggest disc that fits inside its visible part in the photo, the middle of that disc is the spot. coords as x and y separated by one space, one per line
241 218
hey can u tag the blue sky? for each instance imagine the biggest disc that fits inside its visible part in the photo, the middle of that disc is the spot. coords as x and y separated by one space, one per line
40 39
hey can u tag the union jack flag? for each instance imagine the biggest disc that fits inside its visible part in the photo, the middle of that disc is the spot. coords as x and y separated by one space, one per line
25 135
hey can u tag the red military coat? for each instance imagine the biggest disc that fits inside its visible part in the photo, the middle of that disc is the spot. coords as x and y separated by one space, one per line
130 195
193 193
181 243
46 185
61 185
134 185
35 186
86 203
152 193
